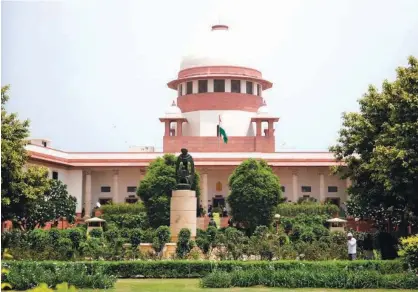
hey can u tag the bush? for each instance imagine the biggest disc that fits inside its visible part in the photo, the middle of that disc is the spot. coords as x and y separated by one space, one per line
197 269
130 221
162 236
308 208
183 243
312 279
96 232
409 251
123 208
26 275
136 237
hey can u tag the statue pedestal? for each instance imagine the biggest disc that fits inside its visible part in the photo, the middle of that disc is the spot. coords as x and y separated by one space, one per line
183 212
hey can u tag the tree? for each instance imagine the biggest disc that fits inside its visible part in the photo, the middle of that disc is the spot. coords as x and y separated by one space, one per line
379 146
54 205
155 189
255 193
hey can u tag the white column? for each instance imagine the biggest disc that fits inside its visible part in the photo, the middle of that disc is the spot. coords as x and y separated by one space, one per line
295 186
115 187
183 88
195 86
227 85
87 203
141 178
210 85
205 191
321 187
243 86
254 88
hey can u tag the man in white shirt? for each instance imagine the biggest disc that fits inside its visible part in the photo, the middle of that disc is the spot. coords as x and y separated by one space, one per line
352 246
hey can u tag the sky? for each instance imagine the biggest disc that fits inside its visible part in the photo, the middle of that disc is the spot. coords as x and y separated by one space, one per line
91 75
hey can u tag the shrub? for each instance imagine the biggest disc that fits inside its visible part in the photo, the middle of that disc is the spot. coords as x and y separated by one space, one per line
308 208
197 269
409 251
217 279
65 248
183 243
76 235
112 235
136 237
130 221
26 275
123 208
38 239
162 236
96 232
312 279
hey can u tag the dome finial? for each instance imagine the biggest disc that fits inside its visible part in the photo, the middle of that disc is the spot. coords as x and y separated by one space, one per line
219 27
264 102
174 103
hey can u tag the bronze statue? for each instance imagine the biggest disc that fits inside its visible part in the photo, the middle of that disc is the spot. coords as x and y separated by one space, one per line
184 176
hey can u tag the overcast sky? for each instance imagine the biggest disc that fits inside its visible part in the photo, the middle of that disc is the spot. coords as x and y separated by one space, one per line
91 75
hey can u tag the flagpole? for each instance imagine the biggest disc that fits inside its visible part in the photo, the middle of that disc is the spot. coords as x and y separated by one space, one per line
219 132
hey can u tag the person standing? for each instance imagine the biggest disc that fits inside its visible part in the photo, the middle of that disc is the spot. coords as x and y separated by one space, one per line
352 246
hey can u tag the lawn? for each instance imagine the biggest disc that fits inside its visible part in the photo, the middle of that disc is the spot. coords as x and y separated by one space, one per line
192 285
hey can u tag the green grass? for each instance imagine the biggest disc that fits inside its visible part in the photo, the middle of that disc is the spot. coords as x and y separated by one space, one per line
192 285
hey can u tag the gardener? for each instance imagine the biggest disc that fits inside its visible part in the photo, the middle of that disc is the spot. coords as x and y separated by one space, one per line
352 246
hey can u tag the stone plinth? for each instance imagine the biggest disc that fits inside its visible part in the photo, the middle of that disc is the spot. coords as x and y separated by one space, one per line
183 212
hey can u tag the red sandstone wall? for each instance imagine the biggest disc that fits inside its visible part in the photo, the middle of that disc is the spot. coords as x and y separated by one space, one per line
215 144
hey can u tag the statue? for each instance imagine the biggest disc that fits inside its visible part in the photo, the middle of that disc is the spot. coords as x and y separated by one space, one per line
185 177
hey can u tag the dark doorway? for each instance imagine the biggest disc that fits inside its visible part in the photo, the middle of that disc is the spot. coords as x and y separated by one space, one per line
218 201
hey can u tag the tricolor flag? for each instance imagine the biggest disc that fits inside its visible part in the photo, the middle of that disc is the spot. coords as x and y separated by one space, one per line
222 132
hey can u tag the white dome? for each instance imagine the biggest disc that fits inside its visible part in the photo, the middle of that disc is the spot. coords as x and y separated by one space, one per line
263 111
173 111
218 47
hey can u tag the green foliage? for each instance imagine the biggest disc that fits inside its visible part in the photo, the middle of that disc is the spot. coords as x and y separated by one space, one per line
54 205
92 247
409 251
26 275
312 279
162 236
198 268
255 193
96 232
183 243
379 148
123 208
292 209
127 220
136 237
156 187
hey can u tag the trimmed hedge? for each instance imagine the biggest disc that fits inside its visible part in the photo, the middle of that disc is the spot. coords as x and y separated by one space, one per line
123 208
198 269
343 279
293 209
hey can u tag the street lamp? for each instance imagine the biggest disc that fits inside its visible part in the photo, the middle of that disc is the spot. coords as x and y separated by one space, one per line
277 219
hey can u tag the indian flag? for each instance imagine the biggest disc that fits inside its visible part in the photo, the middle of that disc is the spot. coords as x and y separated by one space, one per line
222 132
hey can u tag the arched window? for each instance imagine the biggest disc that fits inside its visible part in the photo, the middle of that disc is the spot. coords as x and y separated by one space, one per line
219 186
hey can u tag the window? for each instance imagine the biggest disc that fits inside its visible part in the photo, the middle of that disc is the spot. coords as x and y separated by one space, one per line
105 189
203 86
283 189
131 200
131 189
105 201
258 89
236 86
249 87
219 85
189 87
44 143
306 189
180 89
332 189
55 175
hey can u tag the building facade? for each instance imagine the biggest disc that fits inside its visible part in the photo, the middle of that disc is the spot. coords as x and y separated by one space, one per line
214 88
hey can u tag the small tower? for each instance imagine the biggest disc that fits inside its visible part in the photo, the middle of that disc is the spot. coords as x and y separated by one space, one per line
173 121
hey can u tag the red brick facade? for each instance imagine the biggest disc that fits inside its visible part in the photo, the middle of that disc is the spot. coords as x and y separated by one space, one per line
264 144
